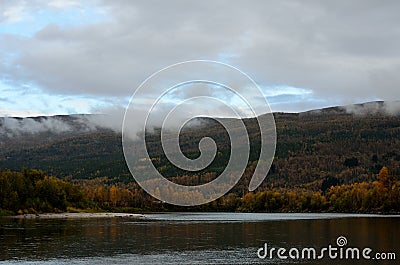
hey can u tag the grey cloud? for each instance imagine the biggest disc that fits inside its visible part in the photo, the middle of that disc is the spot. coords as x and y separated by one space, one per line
339 49
387 107
10 126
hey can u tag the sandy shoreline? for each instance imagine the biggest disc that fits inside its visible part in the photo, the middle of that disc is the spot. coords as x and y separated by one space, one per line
75 215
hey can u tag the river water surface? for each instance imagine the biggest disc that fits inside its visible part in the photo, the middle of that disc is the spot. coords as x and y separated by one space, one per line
196 238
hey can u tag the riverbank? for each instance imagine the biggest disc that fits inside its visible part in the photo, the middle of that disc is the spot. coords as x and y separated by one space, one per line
75 215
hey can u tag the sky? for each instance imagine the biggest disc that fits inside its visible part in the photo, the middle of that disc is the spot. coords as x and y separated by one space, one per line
69 56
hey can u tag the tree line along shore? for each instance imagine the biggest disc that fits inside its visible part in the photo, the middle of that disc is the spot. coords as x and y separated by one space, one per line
34 192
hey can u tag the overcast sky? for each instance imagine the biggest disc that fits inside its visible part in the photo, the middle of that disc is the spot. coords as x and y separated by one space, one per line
66 56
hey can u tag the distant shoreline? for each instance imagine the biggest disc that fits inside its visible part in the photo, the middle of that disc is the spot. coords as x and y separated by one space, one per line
239 216
74 215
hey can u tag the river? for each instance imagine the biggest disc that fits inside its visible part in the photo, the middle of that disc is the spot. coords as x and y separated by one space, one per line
200 238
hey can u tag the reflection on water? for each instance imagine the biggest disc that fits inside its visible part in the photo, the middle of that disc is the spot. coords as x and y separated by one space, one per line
179 238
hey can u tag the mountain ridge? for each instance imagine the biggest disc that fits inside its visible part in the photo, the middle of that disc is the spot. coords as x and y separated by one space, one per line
380 104
310 148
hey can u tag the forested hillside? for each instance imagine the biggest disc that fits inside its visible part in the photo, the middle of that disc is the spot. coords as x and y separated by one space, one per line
321 156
